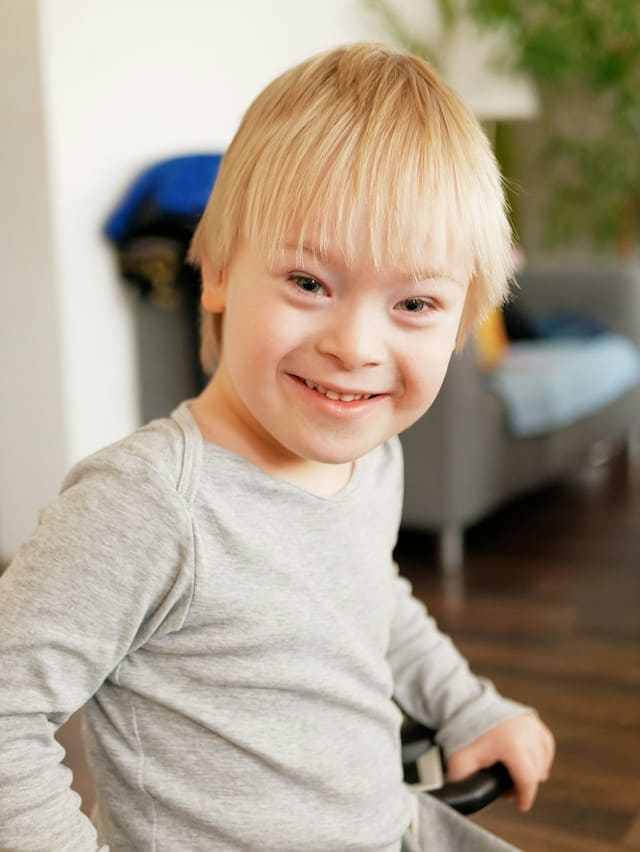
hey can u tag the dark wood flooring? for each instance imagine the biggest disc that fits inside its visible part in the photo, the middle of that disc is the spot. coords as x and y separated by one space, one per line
550 610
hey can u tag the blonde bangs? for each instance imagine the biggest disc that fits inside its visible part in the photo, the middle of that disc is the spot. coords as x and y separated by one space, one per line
364 135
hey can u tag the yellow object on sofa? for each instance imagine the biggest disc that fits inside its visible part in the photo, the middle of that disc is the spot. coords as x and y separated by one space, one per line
491 340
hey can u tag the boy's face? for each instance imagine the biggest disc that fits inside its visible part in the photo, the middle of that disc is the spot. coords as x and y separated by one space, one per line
324 362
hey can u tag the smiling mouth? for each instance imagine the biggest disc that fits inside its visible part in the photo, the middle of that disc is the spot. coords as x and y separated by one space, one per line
335 395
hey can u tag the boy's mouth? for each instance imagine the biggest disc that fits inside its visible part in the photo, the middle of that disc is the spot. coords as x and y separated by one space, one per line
341 396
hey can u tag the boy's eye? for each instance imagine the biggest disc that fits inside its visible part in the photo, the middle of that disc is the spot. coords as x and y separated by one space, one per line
307 284
415 306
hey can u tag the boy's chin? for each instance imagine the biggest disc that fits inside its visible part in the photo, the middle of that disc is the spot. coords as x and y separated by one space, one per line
340 454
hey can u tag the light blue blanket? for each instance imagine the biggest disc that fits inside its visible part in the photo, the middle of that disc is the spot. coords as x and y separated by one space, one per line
547 384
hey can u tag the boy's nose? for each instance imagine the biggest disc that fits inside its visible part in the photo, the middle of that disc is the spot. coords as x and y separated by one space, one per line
354 339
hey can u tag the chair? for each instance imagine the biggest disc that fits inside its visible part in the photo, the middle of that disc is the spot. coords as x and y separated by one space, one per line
461 459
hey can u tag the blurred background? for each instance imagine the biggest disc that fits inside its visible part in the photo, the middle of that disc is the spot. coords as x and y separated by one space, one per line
520 525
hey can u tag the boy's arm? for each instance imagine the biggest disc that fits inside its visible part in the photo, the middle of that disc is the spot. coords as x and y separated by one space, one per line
476 726
108 565
524 744
433 682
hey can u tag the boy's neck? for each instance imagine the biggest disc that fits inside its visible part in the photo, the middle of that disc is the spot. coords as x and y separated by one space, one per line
319 478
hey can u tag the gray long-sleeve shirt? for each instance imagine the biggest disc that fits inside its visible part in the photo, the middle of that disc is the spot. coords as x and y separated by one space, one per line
238 641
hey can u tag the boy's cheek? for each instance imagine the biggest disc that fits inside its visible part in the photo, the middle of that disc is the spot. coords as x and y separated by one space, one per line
431 377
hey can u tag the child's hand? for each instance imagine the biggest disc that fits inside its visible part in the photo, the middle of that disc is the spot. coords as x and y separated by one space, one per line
524 744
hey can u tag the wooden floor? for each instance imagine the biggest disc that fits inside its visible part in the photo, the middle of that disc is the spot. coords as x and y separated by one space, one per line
550 610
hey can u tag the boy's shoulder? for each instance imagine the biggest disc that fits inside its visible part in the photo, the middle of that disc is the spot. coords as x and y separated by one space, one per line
152 454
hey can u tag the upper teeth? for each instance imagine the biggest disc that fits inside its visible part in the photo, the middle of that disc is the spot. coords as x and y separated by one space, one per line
343 397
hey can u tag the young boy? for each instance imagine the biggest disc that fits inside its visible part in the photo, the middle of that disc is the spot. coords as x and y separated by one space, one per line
218 588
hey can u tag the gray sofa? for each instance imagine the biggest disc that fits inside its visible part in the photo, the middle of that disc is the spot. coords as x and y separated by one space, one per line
462 462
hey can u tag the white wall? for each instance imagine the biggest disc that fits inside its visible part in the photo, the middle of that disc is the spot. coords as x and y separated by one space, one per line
33 441
91 92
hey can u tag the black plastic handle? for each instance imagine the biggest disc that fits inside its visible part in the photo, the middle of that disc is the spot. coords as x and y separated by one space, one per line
466 797
476 792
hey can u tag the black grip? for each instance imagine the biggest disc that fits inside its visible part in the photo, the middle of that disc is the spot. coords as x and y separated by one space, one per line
476 792
466 797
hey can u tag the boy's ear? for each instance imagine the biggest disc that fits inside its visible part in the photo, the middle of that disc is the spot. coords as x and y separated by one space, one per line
214 289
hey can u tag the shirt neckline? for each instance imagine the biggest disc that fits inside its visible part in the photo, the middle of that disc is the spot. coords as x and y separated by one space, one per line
209 448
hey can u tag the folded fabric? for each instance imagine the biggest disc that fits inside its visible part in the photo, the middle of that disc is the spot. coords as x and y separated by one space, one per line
568 325
167 196
520 325
548 384
155 266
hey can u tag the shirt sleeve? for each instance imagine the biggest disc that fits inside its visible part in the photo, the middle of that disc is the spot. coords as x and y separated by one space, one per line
432 681
109 564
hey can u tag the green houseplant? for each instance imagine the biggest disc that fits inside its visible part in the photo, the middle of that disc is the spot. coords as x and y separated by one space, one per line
584 56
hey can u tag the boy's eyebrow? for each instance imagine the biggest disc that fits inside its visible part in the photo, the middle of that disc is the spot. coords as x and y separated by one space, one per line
434 275
308 248
414 276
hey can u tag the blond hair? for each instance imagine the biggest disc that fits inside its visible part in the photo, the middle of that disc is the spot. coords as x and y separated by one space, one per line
362 127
